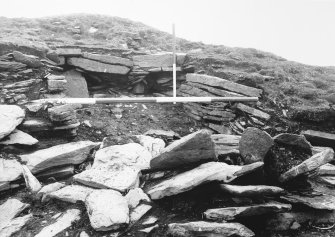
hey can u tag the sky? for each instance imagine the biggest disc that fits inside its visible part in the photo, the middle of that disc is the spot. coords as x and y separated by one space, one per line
298 30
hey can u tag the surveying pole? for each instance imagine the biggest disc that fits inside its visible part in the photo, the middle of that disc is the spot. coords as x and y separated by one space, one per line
174 63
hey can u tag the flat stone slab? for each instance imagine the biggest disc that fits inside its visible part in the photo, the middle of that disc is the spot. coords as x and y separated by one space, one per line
293 140
10 117
76 85
223 84
14 225
131 154
330 180
70 153
10 170
232 213
94 66
322 202
308 165
109 59
71 193
154 60
135 196
254 112
32 184
327 169
318 138
254 144
119 177
62 223
11 209
107 210
68 52
45 190
193 148
29 60
19 137
137 213
252 190
211 171
208 229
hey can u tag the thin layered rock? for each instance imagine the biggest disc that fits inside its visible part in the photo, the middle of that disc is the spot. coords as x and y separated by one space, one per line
14 225
208 229
71 193
107 210
32 184
11 209
44 191
193 148
19 137
317 138
232 213
226 144
308 165
252 190
10 170
10 117
70 153
211 171
137 213
62 223
108 59
327 169
321 202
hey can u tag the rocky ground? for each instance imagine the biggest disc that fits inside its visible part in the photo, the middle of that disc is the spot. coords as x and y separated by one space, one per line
135 169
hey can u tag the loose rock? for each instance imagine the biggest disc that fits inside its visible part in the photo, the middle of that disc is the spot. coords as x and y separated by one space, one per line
294 140
19 137
10 209
107 210
135 196
32 184
322 202
14 226
252 190
10 117
72 193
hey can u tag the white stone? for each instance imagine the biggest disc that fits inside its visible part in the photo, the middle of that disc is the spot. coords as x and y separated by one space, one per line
131 154
19 137
107 210
32 184
49 189
10 117
14 225
10 170
10 209
135 196
71 193
153 145
62 223
137 213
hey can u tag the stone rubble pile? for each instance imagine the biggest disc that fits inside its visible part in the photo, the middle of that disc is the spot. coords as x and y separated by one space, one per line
221 117
118 190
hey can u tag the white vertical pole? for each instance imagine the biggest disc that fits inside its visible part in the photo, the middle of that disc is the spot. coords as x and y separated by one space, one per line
174 63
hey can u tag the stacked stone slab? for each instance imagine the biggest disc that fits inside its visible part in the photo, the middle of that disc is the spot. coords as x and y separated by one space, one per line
154 72
219 114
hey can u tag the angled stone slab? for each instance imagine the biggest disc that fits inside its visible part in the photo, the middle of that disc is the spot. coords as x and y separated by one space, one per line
252 111
109 59
76 85
153 145
193 148
119 177
131 154
71 193
308 165
252 190
208 229
14 225
107 210
137 213
29 60
211 171
68 52
135 196
62 223
10 117
293 140
223 84
10 170
94 66
318 138
32 184
70 153
49 189
330 180
11 209
254 144
322 202
232 213
19 137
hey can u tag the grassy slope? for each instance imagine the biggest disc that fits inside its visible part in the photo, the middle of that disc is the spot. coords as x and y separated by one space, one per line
297 87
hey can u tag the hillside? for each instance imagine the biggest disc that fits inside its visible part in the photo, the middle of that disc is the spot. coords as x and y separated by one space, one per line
306 92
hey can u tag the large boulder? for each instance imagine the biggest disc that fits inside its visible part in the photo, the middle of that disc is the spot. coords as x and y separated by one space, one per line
107 210
194 148
254 144
296 140
10 117
70 153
